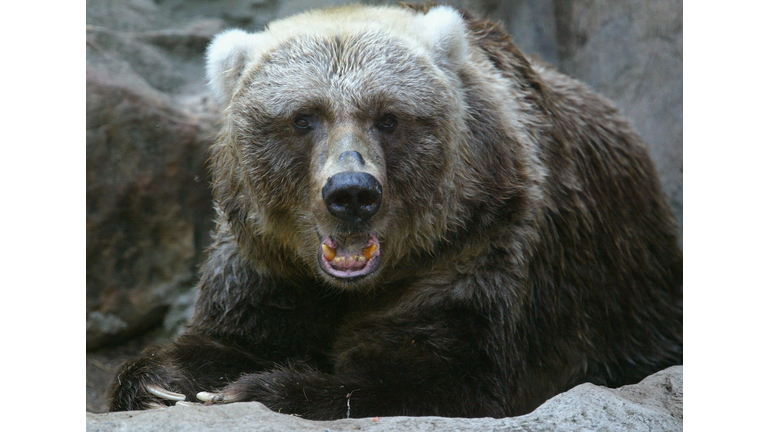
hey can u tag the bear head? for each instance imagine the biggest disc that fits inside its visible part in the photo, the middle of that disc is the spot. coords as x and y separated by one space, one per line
344 148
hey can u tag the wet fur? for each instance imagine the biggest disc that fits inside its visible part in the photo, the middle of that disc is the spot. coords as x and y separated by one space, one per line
535 253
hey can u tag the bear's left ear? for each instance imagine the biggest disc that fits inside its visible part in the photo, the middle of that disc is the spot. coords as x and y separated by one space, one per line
445 32
227 56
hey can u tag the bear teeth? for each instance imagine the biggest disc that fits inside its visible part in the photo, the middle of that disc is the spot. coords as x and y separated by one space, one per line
329 252
347 259
346 262
369 251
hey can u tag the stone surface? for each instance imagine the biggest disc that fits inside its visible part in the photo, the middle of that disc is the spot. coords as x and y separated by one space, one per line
655 404
148 209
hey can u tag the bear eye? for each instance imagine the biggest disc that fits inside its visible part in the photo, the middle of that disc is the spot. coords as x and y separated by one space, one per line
301 123
387 123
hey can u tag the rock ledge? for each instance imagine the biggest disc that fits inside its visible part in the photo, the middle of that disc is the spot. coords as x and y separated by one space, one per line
654 404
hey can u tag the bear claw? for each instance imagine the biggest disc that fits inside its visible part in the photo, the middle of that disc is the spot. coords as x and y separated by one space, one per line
165 394
210 397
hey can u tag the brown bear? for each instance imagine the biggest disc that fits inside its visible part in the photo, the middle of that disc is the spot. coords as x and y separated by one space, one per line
416 219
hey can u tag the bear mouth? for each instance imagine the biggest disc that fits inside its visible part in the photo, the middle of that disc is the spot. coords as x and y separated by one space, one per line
350 257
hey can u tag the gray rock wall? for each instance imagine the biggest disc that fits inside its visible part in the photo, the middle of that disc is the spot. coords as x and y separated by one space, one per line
150 119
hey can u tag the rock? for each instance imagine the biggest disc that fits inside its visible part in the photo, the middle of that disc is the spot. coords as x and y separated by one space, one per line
655 404
150 120
148 211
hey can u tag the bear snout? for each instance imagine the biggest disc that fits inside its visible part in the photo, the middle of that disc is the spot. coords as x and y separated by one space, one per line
352 196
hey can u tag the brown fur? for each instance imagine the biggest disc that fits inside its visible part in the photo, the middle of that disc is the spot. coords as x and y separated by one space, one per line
526 243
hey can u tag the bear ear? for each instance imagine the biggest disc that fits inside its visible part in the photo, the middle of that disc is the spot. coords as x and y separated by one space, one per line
446 35
228 55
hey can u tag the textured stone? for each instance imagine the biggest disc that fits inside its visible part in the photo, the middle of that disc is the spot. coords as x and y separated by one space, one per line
148 205
655 404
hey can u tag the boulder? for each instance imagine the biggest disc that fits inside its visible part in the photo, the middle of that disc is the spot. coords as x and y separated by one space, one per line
148 210
149 122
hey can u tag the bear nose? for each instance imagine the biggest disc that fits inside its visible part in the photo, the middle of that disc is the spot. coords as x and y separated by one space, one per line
352 196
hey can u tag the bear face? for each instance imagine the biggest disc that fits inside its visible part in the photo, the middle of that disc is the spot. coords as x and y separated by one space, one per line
342 142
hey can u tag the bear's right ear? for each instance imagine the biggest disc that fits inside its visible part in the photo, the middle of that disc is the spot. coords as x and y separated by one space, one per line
227 56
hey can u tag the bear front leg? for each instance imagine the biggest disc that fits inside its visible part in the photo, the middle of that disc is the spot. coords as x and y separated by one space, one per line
164 376
302 391
320 396
424 364
244 322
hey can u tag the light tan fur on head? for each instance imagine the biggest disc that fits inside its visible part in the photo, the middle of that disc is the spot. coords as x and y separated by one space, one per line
227 56
440 32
